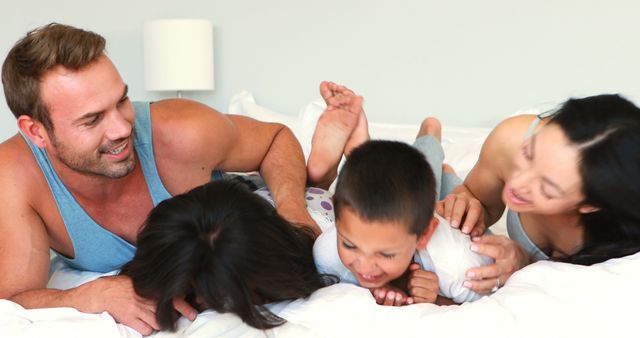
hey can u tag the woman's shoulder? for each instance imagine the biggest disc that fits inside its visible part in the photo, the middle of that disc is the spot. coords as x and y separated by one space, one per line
508 135
515 127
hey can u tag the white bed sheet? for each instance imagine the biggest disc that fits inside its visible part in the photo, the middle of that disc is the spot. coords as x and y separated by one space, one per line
546 299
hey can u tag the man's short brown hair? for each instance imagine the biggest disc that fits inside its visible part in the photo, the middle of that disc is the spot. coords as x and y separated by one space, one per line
38 52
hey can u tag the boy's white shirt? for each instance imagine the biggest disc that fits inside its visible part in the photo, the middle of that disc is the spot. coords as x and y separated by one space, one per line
448 254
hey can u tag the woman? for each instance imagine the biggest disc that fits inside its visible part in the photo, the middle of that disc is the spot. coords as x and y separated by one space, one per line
569 180
224 248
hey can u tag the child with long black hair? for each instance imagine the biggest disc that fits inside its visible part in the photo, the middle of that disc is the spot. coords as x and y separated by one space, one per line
224 248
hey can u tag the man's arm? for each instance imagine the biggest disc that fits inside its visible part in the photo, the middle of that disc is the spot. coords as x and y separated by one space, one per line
284 171
112 294
281 165
210 140
24 258
24 247
477 203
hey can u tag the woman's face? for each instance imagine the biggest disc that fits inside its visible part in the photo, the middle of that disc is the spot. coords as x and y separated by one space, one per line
545 178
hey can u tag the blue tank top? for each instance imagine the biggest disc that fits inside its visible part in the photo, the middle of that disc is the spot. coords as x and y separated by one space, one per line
95 248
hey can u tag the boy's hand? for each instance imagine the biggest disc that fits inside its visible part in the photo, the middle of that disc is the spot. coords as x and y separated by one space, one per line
423 285
389 295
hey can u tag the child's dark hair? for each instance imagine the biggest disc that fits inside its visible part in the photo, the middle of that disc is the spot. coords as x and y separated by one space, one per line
606 130
228 246
387 181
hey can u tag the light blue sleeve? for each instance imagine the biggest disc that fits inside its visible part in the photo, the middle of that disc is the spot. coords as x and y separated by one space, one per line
325 255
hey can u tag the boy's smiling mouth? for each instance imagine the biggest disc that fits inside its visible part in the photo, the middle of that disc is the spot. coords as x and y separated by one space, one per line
370 278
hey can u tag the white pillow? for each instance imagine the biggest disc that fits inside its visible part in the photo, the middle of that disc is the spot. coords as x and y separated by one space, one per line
302 125
461 144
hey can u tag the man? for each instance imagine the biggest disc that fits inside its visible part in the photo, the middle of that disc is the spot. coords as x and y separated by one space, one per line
89 165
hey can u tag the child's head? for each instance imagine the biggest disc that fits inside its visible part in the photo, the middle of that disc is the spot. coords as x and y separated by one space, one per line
226 248
384 202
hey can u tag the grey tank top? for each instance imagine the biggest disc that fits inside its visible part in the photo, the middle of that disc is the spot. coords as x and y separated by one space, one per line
95 248
514 226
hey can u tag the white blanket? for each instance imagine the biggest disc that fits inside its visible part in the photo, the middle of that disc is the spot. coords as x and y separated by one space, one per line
545 299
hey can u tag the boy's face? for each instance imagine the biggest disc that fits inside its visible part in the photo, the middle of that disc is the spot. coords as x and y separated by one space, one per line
375 252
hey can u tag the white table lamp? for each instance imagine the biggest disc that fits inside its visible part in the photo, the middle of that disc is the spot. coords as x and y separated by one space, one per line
178 55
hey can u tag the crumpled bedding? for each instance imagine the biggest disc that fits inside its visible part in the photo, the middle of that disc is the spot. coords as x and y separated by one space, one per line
545 299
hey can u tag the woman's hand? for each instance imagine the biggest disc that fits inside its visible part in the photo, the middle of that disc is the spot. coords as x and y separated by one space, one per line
463 209
508 255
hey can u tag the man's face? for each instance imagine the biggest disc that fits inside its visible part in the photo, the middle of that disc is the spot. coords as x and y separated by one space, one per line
92 118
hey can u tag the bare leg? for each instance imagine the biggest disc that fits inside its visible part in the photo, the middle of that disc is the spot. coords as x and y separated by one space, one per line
444 172
428 142
336 128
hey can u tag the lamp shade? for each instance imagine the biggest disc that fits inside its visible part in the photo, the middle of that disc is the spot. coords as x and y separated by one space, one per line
178 55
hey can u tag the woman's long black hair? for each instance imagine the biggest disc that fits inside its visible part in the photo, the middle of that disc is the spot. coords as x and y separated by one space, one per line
228 247
606 130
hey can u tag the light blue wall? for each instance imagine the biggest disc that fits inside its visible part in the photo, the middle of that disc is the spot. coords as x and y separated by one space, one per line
468 62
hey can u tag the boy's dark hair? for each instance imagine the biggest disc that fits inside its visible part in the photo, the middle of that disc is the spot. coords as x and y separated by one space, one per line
387 181
229 247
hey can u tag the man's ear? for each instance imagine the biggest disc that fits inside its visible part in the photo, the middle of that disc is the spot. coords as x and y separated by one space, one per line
587 209
423 240
34 130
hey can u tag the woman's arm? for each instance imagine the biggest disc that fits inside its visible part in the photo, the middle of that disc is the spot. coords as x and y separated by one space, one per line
477 202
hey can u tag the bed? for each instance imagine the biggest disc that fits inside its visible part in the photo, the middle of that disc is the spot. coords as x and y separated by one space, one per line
545 299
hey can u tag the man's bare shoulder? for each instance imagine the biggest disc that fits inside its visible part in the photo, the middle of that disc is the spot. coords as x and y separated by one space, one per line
180 113
189 140
184 125
21 171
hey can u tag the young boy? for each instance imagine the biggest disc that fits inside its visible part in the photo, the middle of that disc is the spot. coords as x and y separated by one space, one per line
388 239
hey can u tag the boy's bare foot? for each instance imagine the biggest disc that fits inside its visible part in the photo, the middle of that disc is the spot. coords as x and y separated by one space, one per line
360 134
335 127
335 95
327 146
431 126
